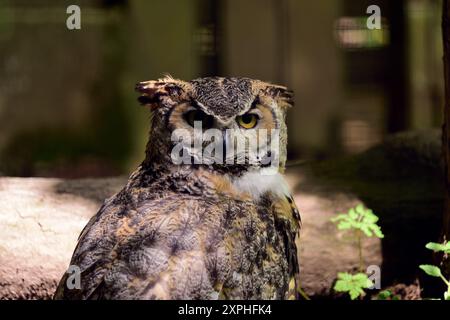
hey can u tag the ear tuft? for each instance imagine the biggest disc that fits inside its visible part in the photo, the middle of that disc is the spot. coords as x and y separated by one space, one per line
153 91
283 95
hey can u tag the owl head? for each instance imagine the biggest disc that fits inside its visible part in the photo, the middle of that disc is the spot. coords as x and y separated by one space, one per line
229 124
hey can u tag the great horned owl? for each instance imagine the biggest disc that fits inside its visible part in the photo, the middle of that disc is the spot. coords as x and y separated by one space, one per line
200 230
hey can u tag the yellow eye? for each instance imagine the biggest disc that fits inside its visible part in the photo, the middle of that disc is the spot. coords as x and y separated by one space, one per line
247 121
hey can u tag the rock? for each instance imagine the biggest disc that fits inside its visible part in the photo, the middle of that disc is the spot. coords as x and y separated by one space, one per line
40 221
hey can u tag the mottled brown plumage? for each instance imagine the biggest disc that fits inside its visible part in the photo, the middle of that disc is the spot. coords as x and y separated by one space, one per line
195 231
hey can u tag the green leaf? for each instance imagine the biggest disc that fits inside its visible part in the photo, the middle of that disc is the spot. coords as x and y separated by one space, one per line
353 214
354 285
370 217
387 295
431 270
355 293
360 209
344 225
359 218
446 295
366 231
384 295
345 276
377 231
436 247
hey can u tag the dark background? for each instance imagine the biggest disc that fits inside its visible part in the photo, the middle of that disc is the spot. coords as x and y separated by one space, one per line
67 101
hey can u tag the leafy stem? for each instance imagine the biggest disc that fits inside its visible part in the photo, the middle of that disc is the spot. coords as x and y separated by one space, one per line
364 223
435 271
359 240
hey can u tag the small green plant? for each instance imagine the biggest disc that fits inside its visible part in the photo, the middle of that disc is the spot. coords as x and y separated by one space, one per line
387 295
354 284
363 222
435 271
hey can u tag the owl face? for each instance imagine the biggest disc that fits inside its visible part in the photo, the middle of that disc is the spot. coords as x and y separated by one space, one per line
232 123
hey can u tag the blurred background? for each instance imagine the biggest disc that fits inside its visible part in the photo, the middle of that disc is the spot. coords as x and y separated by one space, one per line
67 101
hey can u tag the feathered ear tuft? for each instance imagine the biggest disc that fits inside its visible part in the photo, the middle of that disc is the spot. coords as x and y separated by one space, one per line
283 95
154 91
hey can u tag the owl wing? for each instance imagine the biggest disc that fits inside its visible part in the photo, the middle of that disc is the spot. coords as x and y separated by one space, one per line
288 217
265 262
179 246
92 255
170 247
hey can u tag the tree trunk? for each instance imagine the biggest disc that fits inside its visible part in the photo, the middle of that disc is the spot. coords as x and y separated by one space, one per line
446 126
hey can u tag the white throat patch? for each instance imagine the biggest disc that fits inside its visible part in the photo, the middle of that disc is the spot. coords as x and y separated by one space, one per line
256 184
